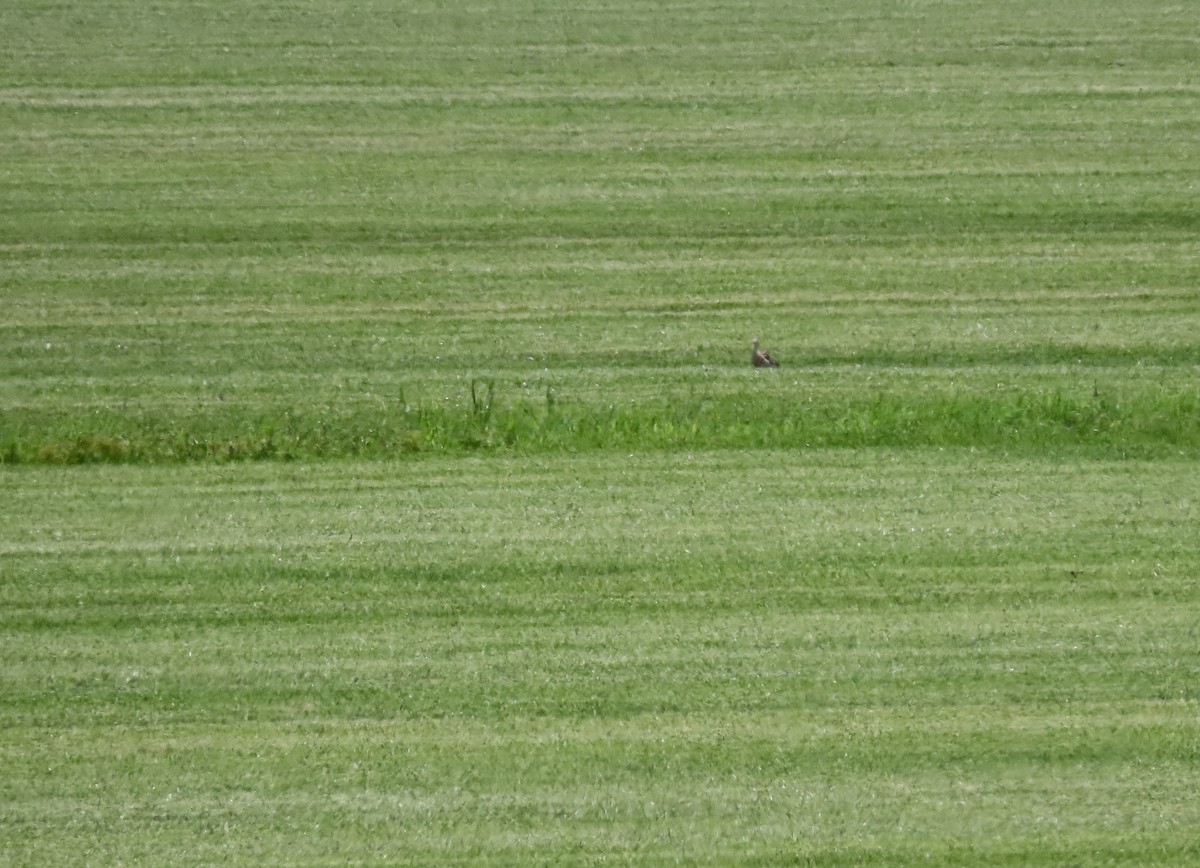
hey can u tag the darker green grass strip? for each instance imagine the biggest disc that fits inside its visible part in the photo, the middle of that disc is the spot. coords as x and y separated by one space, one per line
1145 425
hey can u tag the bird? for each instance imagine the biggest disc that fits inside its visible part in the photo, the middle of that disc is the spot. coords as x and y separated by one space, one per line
761 358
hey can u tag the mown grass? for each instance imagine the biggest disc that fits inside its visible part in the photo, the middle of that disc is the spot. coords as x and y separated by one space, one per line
830 656
249 253
522 562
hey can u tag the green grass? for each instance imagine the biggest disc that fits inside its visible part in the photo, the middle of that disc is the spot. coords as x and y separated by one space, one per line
299 232
735 412
835 656
520 561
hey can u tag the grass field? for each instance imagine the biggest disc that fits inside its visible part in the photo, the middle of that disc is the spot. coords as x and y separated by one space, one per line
835 656
385 479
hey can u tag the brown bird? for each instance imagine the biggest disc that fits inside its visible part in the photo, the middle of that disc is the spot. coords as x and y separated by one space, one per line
761 358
